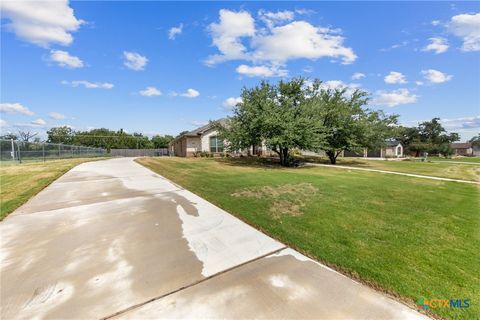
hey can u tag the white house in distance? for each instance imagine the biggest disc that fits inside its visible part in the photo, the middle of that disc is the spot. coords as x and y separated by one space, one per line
205 139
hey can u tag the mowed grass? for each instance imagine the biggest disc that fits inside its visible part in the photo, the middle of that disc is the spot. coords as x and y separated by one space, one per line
20 182
407 236
436 169
457 159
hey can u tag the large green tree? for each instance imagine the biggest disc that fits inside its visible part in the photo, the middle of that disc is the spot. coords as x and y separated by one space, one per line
475 141
428 136
106 138
275 115
161 141
62 134
346 123
304 115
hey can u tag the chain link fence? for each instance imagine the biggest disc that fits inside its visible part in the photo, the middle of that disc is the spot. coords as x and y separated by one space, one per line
15 151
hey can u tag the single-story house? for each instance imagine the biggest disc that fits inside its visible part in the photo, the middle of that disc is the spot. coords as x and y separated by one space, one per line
465 149
206 139
462 149
391 149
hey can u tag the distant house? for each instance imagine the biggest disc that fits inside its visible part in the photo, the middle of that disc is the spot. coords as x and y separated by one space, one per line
464 149
391 149
206 139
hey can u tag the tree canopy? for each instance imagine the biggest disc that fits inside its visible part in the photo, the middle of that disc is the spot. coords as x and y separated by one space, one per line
345 123
105 138
475 141
303 115
428 136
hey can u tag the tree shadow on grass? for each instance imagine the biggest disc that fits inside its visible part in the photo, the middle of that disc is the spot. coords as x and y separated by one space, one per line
340 161
251 162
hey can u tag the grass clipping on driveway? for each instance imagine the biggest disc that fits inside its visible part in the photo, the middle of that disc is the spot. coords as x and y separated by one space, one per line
407 236
20 182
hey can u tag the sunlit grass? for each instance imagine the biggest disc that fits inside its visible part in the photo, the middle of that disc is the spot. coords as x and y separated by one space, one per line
408 236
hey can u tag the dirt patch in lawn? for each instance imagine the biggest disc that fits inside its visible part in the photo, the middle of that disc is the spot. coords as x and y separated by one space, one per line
287 199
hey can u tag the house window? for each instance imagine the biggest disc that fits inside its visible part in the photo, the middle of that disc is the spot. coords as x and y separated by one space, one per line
216 144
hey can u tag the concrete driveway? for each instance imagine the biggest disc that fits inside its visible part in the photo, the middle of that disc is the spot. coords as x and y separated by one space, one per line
113 239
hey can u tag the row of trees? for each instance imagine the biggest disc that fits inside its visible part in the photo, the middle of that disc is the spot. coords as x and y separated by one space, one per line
304 115
105 138
428 136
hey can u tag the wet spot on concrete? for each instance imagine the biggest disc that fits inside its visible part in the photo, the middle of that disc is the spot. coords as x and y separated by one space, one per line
116 259
187 205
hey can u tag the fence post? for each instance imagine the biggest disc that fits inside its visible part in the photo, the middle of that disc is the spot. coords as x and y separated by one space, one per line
19 153
43 151
13 150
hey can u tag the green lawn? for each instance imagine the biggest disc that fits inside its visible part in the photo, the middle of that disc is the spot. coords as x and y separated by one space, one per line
20 182
410 237
457 159
436 169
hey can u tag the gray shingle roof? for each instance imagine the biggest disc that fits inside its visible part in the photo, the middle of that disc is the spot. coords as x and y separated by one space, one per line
203 129
460 145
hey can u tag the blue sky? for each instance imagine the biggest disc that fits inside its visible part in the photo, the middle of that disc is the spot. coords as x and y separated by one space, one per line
163 67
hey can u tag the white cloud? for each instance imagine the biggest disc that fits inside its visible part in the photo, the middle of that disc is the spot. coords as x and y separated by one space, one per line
300 39
461 124
261 71
358 76
88 84
308 69
295 40
435 76
227 34
15 108
395 77
3 123
394 98
419 83
340 85
232 102
174 31
64 59
41 22
467 27
304 11
134 60
438 44
435 22
396 46
38 122
190 93
56 115
273 18
150 92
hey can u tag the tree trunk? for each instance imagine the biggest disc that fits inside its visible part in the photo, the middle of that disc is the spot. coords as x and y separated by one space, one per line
279 152
285 156
332 155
